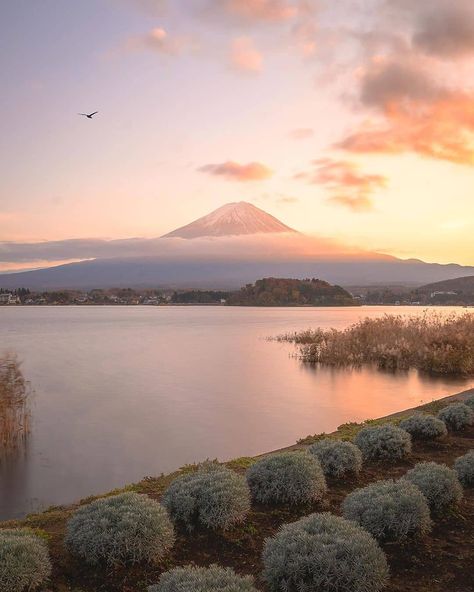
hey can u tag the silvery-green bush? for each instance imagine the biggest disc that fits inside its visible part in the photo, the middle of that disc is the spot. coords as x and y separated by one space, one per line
389 510
24 560
213 497
457 416
470 402
438 483
201 579
422 426
337 458
324 553
464 467
287 477
122 529
386 442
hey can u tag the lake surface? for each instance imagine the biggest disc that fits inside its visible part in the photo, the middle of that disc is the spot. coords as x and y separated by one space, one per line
124 392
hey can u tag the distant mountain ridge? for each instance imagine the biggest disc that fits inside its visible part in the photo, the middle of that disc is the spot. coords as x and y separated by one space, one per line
232 219
232 246
462 285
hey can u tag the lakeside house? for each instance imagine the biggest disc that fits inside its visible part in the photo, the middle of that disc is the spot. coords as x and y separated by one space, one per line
8 298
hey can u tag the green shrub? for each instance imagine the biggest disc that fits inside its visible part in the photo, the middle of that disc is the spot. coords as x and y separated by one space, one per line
24 560
324 553
438 483
288 477
337 458
470 402
389 510
213 496
201 579
385 442
457 416
122 529
422 426
464 467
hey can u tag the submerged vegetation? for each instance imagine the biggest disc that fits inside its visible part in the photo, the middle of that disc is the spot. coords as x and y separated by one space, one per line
431 343
14 405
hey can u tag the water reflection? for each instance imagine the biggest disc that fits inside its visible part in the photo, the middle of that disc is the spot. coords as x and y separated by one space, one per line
124 392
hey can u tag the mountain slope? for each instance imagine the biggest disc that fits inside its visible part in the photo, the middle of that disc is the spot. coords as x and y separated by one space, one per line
231 220
462 285
211 273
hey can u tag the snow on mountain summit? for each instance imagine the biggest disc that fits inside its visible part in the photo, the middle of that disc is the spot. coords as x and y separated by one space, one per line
230 220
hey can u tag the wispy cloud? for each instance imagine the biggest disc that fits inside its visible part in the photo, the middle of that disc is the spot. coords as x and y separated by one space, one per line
160 41
244 56
233 171
301 133
269 11
346 184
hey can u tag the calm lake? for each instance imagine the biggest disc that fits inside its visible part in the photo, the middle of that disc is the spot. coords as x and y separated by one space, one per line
124 392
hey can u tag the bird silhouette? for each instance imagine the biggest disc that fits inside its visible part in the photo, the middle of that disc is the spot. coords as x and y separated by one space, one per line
88 115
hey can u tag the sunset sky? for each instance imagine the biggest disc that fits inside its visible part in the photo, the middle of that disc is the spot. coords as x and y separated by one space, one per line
349 119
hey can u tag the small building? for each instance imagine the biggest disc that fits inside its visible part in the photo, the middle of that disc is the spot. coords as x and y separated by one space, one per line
8 298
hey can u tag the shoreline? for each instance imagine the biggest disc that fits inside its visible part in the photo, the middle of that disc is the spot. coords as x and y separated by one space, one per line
156 485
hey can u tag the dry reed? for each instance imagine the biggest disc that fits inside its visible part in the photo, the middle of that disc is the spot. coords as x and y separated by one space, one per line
14 405
432 342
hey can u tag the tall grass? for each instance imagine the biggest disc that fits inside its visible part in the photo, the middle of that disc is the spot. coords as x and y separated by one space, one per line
431 342
14 405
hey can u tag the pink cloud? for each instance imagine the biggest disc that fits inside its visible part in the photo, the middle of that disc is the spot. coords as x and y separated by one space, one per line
160 41
244 56
233 171
301 133
347 186
261 10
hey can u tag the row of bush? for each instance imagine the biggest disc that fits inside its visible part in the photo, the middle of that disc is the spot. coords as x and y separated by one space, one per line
319 552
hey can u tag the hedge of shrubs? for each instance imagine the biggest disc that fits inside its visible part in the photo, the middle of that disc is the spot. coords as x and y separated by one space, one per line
122 529
422 426
24 560
337 458
386 442
324 553
457 416
213 497
201 579
470 402
288 477
464 467
438 483
389 510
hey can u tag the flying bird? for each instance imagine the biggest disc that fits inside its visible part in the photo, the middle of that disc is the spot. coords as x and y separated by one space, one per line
88 115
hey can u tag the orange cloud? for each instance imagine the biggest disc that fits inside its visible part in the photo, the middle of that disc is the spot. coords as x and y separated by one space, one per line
347 186
233 171
261 10
418 114
244 55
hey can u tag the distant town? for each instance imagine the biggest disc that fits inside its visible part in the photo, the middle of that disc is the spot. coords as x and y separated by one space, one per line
265 292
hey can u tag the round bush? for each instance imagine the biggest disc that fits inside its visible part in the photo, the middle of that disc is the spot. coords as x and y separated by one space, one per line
337 458
125 528
470 402
288 477
201 579
422 426
389 510
464 467
24 560
386 442
438 483
324 553
213 496
457 416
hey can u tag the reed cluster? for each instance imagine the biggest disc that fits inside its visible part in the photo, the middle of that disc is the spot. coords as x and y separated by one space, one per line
14 404
432 342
